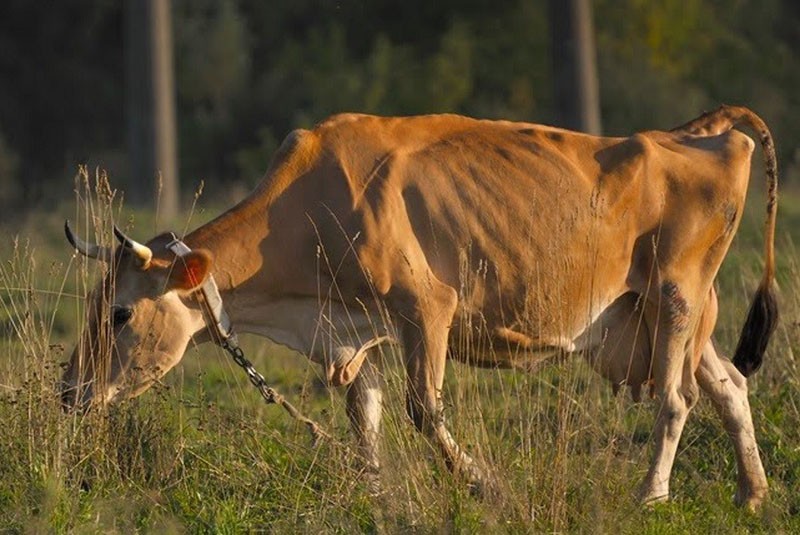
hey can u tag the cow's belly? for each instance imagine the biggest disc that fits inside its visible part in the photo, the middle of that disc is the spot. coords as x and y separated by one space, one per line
527 344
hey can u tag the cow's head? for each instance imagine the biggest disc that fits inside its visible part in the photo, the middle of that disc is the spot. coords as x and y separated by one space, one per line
139 319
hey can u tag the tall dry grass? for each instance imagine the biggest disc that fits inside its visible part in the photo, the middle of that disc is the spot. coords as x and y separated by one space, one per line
201 452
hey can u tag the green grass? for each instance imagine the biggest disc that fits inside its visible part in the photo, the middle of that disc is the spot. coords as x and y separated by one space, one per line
200 452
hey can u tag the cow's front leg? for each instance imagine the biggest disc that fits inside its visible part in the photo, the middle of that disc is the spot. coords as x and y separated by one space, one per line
364 409
727 389
425 335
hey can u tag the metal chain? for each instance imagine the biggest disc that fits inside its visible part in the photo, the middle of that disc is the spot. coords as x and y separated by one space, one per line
269 394
220 326
258 381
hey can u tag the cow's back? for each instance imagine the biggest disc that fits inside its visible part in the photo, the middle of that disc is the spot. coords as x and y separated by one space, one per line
509 214
535 227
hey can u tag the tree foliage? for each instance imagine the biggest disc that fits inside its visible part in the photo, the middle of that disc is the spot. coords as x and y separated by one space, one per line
249 71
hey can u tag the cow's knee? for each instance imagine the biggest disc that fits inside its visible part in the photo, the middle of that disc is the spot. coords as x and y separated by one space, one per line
690 393
676 401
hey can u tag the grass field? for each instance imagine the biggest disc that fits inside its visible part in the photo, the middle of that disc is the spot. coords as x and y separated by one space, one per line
200 452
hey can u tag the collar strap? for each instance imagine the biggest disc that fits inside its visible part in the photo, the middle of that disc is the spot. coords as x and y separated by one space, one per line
216 317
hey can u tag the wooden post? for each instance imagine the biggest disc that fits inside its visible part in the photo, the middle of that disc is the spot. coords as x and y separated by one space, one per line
574 65
151 106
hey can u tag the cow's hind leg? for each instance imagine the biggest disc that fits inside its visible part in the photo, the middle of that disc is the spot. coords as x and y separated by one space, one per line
364 409
727 389
675 385
428 316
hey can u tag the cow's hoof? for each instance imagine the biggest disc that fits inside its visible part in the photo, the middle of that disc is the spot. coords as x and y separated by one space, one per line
371 478
651 497
750 499
481 485
650 502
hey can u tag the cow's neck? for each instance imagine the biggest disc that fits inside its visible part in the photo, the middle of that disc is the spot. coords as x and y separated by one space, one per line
235 239
236 236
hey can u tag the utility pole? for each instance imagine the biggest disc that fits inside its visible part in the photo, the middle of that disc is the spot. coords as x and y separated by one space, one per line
151 106
574 61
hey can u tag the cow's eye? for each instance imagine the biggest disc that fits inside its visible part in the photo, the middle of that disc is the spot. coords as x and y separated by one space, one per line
120 315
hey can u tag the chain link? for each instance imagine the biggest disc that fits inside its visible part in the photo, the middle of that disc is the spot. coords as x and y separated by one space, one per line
269 395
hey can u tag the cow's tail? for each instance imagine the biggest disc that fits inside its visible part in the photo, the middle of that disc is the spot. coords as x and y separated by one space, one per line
762 318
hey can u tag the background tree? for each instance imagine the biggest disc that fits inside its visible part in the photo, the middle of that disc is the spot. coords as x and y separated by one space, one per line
248 72
151 105
572 49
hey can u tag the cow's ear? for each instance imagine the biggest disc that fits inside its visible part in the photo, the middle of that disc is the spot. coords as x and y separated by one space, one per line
190 270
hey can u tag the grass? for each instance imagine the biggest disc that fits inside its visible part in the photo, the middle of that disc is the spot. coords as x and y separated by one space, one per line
200 452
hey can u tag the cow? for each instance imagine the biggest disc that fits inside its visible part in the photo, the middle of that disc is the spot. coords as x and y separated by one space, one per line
495 243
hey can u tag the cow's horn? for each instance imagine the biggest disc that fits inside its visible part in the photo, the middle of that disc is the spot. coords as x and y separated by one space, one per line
143 252
90 250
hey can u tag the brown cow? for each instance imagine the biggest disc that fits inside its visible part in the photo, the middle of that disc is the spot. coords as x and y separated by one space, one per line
453 234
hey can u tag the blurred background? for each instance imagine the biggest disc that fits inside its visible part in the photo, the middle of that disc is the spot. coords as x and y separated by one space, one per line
241 74
205 90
